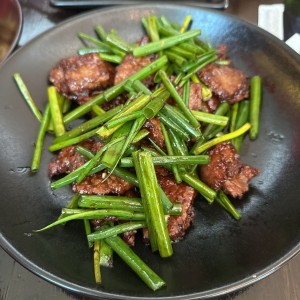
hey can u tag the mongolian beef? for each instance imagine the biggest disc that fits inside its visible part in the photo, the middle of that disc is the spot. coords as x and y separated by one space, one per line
162 124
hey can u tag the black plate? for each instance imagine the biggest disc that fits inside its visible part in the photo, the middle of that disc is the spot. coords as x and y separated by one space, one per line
218 255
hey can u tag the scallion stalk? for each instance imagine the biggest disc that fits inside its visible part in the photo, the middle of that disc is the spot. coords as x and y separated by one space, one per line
222 138
27 96
152 280
164 43
38 147
151 200
255 105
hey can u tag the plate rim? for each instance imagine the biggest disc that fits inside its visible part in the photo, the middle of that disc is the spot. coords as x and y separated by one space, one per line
78 289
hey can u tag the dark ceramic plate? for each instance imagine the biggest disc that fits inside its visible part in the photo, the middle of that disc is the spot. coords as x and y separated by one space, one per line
218 254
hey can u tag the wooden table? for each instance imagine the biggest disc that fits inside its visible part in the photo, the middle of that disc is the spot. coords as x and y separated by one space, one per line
17 283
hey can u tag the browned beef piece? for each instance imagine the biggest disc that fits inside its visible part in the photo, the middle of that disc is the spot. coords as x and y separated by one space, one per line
68 159
80 76
153 126
195 96
180 193
121 99
210 105
96 185
226 171
184 194
228 83
130 66
97 223
195 101
129 237
143 40
222 52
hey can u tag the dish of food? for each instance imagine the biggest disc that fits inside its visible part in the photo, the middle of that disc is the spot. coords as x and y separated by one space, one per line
10 26
216 256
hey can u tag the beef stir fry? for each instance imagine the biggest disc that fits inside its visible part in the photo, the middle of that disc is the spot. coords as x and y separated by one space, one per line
164 121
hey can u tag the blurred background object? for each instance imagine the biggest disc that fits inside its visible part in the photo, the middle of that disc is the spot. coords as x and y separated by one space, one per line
293 6
10 26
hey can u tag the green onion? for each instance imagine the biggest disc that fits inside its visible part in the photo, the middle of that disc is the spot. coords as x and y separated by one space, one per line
106 254
97 270
100 31
156 147
78 214
152 28
220 111
133 107
210 118
155 105
114 91
88 125
27 97
171 124
140 87
38 148
208 193
151 200
83 51
222 138
123 120
170 151
119 214
115 40
242 118
186 23
183 52
177 117
73 141
234 114
93 40
152 280
138 123
178 144
167 204
112 154
120 172
96 159
201 63
111 202
170 87
73 203
71 177
98 110
224 201
113 58
88 230
175 58
164 43
127 162
115 230
140 135
186 93
56 113
255 104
